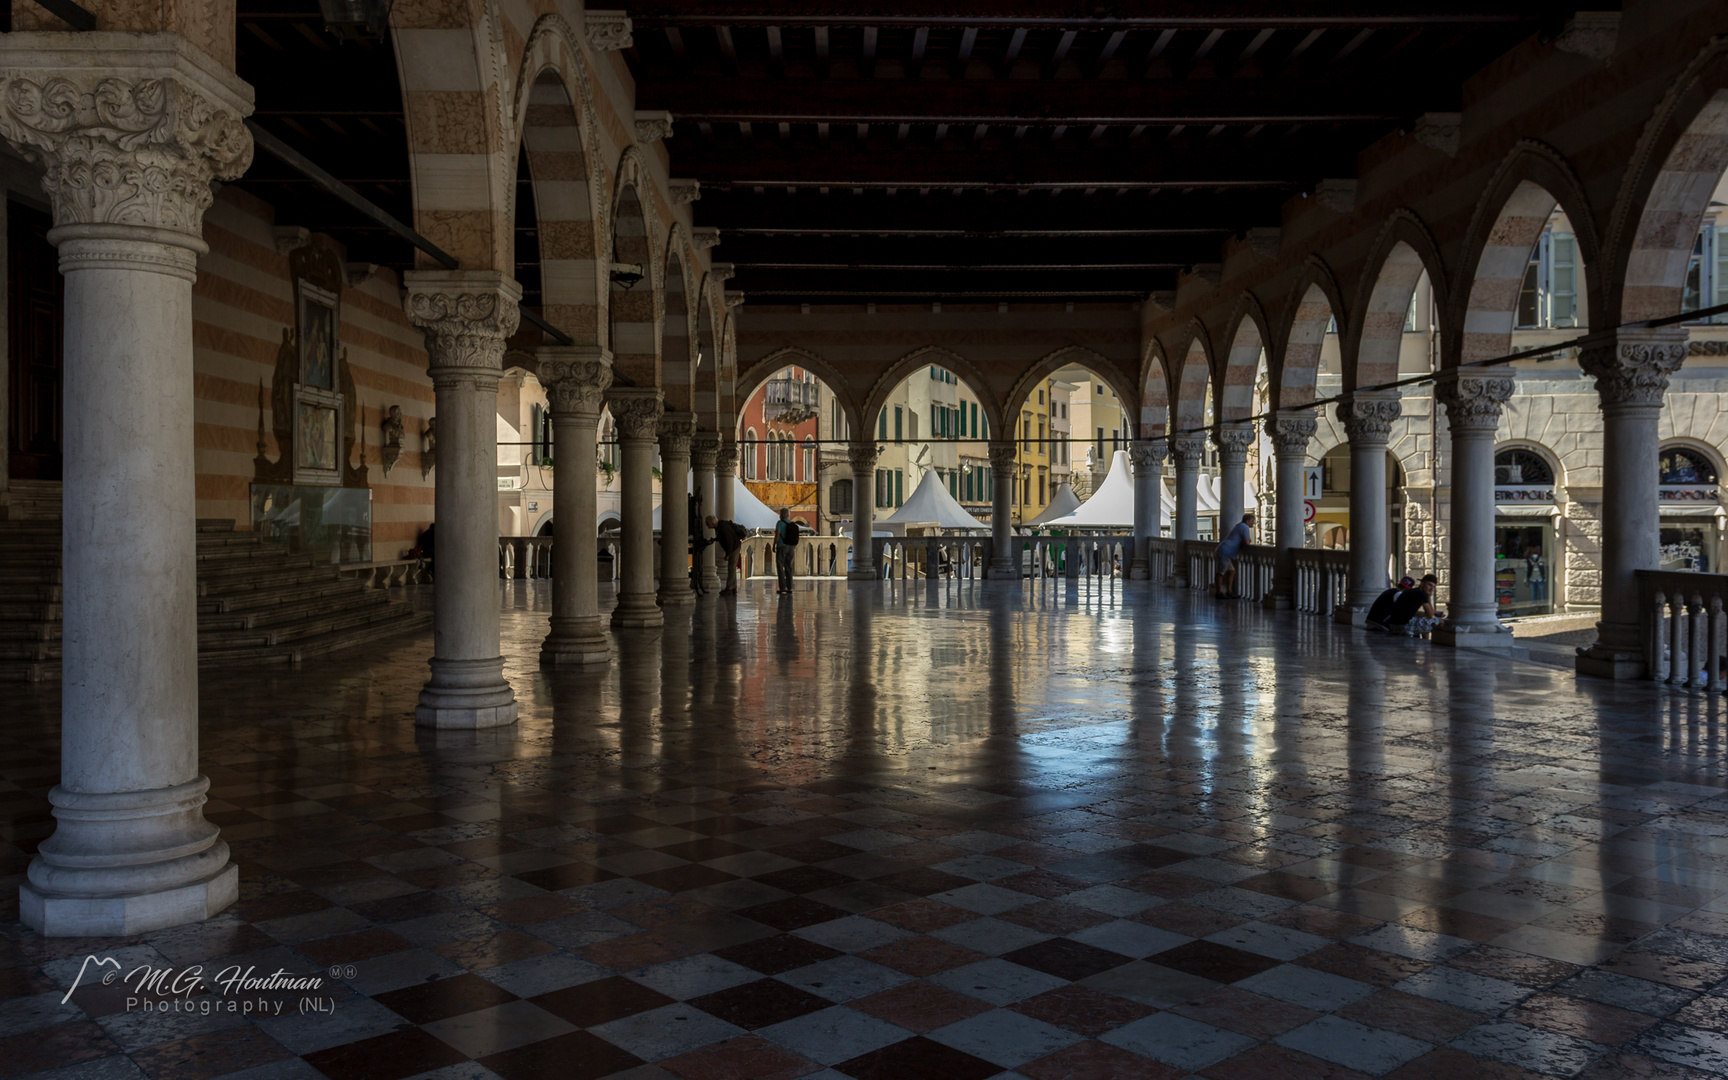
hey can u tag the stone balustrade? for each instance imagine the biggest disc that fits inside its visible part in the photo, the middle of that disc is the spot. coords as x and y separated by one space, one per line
1684 626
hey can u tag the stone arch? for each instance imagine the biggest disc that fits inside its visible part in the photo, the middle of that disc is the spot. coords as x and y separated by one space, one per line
1154 392
1315 303
935 354
1404 251
706 386
1507 225
1712 454
447 59
677 325
1680 157
760 371
1193 382
1556 461
1090 359
555 126
634 309
1249 334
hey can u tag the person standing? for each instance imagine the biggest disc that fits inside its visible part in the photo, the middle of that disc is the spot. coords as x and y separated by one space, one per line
1535 574
785 544
1242 533
730 538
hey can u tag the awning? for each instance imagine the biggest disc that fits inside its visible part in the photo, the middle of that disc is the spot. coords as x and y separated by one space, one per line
1526 510
1694 510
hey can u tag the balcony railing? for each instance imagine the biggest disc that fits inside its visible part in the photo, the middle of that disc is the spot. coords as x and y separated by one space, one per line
1684 626
790 401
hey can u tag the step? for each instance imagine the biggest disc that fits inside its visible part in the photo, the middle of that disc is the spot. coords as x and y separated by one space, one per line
28 572
30 650
215 525
264 600
29 671
29 630
29 611
262 580
273 626
237 542
259 617
19 592
299 651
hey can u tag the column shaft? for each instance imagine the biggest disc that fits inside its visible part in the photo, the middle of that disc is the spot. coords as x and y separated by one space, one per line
863 459
131 130
1186 451
1367 419
1473 401
1233 441
636 414
676 430
1289 432
1148 460
1004 473
575 378
704 453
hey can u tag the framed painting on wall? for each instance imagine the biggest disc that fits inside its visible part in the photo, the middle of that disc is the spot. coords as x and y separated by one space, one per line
317 316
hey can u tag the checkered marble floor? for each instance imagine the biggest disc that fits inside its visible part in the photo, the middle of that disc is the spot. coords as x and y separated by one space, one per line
968 831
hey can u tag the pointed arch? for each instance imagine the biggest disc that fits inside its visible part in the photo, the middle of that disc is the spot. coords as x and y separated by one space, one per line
924 356
1316 303
761 370
677 334
634 307
1404 252
1068 355
1249 335
705 391
1193 380
1154 392
1680 158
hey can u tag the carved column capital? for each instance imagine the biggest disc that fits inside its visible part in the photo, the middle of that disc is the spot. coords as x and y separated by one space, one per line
862 455
1473 397
130 128
704 450
726 459
635 411
1368 418
1233 441
675 430
1149 454
466 316
1290 432
575 378
1187 450
1633 368
1002 455
608 30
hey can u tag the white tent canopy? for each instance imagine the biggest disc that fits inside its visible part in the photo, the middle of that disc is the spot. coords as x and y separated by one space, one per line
747 510
931 502
1110 507
1063 503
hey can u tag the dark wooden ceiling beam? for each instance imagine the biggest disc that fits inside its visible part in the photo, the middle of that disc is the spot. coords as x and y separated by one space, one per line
983 214
868 250
1084 13
1019 101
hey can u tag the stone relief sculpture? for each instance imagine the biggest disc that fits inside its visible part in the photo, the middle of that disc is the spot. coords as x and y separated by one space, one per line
391 451
429 447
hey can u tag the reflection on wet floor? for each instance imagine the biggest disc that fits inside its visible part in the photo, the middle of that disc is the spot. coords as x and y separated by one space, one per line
950 829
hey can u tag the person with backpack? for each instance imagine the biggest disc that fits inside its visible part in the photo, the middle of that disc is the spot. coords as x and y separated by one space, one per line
730 537
786 534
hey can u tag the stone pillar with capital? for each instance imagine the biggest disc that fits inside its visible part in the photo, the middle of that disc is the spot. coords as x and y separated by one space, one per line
1631 374
1233 442
1289 432
636 414
676 429
1148 460
862 456
575 378
1473 398
465 315
1005 553
725 479
704 453
130 129
1367 420
1186 452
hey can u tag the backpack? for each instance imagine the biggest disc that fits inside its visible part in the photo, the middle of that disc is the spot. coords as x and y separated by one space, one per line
789 535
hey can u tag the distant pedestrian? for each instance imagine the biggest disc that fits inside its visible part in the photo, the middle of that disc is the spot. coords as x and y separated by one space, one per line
730 537
1231 547
786 534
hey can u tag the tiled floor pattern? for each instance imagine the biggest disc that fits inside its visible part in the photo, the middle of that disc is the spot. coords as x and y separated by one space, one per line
962 833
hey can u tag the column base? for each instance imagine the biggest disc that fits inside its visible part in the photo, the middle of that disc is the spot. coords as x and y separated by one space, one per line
1472 636
677 596
575 646
466 694
1350 615
1277 601
54 915
711 581
637 612
1609 662
999 569
1140 570
866 574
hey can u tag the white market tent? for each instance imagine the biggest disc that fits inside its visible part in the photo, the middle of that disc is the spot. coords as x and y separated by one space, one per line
932 503
1063 503
1110 507
747 510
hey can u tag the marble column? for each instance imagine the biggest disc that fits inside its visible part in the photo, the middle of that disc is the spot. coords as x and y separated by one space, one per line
1185 452
575 378
131 130
1367 420
863 458
636 417
1631 379
465 315
704 452
1473 399
725 479
1289 432
1005 473
675 432
1233 442
1148 459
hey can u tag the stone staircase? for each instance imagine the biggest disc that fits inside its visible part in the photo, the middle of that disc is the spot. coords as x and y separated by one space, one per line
257 604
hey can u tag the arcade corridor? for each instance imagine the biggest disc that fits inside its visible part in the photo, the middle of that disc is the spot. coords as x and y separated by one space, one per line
963 831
